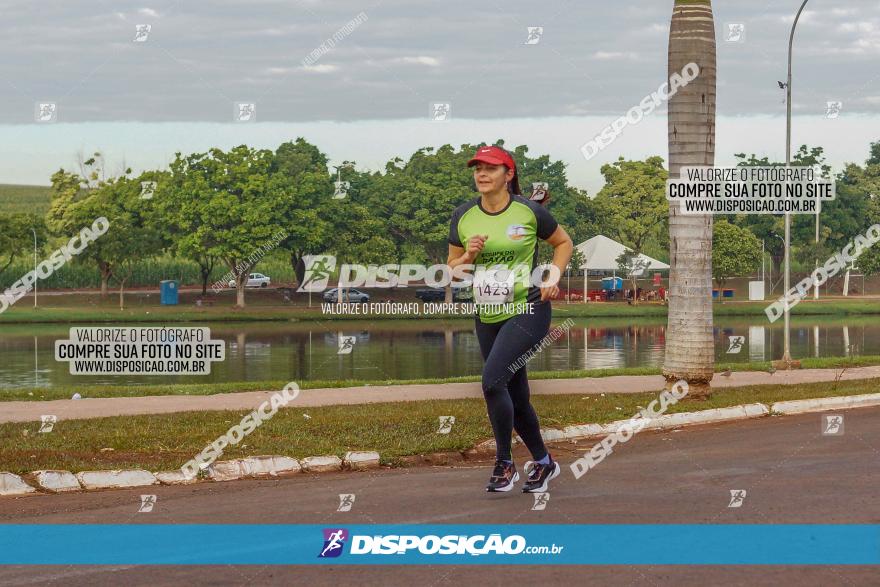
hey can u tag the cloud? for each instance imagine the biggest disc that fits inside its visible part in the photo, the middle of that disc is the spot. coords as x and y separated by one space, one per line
614 55
420 60
320 68
403 58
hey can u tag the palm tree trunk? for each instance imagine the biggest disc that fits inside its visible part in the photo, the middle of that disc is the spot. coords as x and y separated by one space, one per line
690 353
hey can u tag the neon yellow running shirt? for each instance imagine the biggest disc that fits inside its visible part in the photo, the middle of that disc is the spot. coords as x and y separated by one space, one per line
513 241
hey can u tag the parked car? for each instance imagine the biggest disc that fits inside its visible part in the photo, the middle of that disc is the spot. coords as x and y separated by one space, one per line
254 280
355 296
438 294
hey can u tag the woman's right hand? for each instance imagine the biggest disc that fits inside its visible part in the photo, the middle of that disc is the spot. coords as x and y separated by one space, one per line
474 246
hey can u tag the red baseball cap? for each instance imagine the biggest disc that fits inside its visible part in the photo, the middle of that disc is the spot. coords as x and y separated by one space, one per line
493 156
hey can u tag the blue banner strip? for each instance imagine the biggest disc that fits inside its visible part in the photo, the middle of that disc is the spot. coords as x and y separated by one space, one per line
295 544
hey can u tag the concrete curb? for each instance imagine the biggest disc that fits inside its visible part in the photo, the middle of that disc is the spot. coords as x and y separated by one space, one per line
669 421
322 464
275 465
12 484
116 479
175 478
56 481
801 406
261 466
583 431
552 434
741 412
359 460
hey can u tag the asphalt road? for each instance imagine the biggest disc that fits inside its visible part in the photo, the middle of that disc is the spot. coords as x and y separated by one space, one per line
791 472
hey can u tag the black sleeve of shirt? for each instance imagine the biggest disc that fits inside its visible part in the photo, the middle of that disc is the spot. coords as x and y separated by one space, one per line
546 223
454 239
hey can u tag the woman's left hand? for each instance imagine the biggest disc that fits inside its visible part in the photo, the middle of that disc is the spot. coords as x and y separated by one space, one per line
549 292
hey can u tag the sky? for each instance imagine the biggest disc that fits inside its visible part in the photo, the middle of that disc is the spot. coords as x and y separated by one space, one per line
359 79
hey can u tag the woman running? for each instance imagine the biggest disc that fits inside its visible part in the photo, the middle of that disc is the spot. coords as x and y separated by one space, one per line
500 229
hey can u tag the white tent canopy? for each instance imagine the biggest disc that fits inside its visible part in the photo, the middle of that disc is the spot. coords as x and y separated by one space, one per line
601 254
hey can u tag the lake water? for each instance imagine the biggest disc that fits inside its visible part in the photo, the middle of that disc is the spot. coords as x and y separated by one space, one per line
429 348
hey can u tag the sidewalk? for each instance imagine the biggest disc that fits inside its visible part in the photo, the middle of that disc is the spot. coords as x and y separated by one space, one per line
21 411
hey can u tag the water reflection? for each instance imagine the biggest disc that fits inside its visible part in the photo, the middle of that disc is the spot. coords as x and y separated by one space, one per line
420 349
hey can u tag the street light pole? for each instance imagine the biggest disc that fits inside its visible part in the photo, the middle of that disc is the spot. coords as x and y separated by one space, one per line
763 283
340 291
35 266
786 353
816 287
771 260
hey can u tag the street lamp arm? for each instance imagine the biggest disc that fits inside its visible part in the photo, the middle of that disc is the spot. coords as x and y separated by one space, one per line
794 24
788 86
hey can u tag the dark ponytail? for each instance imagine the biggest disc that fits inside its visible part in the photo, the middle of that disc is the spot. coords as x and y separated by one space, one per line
513 184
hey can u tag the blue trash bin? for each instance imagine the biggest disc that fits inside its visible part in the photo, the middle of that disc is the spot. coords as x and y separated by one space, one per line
168 291
612 283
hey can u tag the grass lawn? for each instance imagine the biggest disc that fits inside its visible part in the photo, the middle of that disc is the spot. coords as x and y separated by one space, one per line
65 392
164 442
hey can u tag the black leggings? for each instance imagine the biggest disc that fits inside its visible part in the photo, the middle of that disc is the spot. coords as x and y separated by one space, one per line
506 392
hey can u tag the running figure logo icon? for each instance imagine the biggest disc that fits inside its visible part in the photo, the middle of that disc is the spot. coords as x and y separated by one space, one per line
539 192
346 345
446 423
147 503
534 33
736 32
737 497
148 189
832 425
45 112
346 500
736 344
440 111
334 541
47 423
832 109
541 500
142 32
340 189
318 270
245 112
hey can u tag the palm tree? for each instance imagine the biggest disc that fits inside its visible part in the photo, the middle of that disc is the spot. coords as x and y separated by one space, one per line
691 128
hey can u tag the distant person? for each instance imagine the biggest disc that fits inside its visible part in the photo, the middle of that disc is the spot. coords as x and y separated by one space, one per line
501 228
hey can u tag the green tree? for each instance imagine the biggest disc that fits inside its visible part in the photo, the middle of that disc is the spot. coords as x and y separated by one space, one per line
74 206
230 204
839 219
629 263
67 188
134 233
863 184
185 234
735 252
302 170
632 203
16 238
869 261
574 268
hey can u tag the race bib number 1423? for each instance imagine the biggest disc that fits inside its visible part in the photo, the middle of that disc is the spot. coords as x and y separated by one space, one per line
494 286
